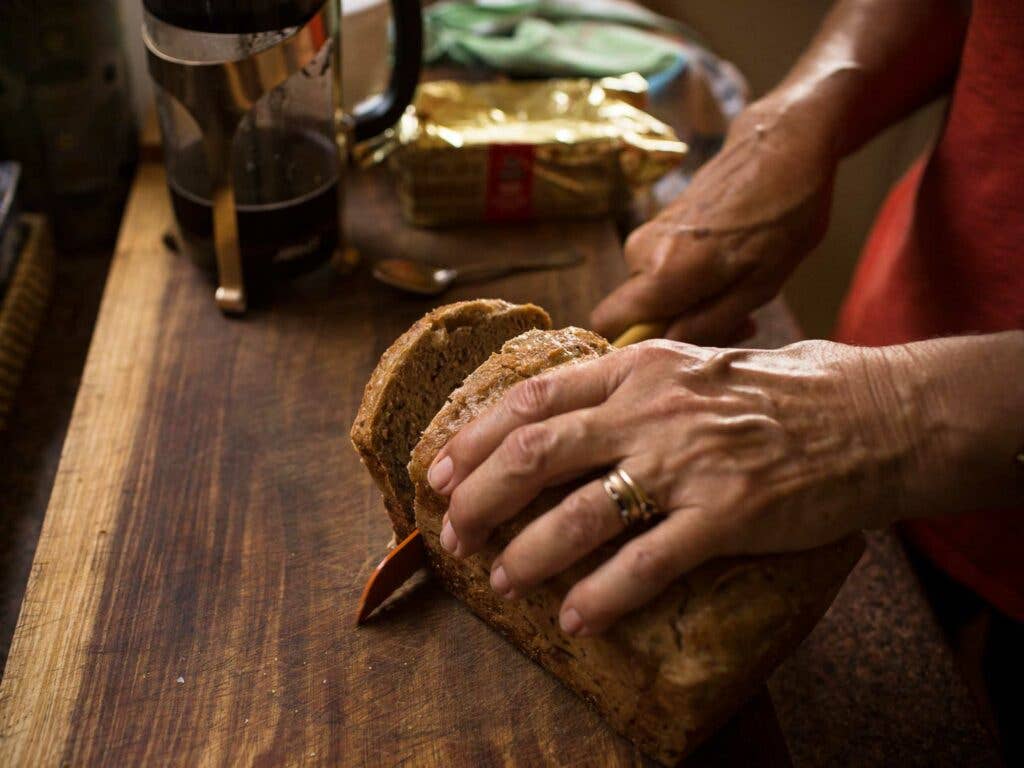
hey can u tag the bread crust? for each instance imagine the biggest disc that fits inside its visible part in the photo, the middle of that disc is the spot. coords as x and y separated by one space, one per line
666 676
398 386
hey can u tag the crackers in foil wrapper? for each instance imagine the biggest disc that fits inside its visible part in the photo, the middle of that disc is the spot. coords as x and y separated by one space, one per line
527 150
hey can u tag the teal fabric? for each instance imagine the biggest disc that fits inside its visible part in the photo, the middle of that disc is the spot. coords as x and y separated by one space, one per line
557 38
488 17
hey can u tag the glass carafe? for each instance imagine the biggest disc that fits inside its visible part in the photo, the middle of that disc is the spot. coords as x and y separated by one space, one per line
249 99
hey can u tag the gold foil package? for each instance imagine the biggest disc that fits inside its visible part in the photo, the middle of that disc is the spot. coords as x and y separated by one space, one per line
527 150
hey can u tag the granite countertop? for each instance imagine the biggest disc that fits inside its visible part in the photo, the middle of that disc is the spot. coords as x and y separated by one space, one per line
875 683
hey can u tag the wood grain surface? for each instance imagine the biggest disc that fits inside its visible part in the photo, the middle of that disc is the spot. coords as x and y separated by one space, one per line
210 529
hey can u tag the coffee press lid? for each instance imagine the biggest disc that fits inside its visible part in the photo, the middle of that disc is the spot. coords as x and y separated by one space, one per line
233 16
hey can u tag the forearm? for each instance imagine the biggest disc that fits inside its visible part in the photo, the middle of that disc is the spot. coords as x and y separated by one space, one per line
871 63
959 404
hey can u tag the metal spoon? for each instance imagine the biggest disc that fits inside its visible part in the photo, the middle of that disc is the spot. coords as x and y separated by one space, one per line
431 279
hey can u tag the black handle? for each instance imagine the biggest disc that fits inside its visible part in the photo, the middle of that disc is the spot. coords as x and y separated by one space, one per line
380 113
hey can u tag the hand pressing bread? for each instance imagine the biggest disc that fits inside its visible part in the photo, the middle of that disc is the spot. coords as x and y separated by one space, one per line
744 451
670 673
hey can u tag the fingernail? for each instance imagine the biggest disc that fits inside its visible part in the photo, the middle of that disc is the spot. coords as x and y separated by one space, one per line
500 582
440 473
448 538
571 621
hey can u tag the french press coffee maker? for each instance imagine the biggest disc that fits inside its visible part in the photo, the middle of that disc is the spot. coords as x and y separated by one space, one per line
255 142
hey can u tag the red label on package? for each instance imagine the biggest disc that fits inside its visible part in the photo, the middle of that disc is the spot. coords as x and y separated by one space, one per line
509 182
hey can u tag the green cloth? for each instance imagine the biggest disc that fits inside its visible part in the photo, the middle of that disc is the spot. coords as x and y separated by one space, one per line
488 17
559 38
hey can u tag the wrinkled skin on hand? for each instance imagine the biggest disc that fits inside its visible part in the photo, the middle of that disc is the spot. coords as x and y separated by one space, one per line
727 244
744 451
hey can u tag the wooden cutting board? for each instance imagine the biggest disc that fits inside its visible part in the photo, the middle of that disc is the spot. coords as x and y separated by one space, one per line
210 530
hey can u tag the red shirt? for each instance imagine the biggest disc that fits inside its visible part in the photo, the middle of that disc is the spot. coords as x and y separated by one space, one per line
946 257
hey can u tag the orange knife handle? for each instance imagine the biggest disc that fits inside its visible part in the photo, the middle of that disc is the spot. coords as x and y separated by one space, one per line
641 332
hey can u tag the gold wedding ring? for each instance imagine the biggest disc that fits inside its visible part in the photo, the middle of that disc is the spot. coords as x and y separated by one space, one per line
634 505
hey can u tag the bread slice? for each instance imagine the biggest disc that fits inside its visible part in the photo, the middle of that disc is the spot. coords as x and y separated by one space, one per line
414 378
668 675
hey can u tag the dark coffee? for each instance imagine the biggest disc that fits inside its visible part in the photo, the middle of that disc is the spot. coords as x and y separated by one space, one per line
293 234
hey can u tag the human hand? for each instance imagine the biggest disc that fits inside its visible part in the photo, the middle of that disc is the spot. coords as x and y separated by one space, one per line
744 451
728 243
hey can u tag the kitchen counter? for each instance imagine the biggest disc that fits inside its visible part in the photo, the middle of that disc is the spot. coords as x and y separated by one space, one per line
210 529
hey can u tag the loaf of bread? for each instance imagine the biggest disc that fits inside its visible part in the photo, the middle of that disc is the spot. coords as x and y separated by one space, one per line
669 674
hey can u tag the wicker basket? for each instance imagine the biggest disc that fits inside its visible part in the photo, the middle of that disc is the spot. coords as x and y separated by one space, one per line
23 306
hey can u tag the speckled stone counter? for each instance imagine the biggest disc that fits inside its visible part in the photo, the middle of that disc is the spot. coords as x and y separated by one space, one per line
875 683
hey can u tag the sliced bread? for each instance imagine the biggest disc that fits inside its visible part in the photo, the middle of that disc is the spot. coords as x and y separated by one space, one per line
668 675
414 378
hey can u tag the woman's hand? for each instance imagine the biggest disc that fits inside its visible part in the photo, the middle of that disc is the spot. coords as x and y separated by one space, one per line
743 451
727 244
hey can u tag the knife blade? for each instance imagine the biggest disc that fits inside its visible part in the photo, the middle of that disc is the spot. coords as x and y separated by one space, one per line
393 571
399 565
